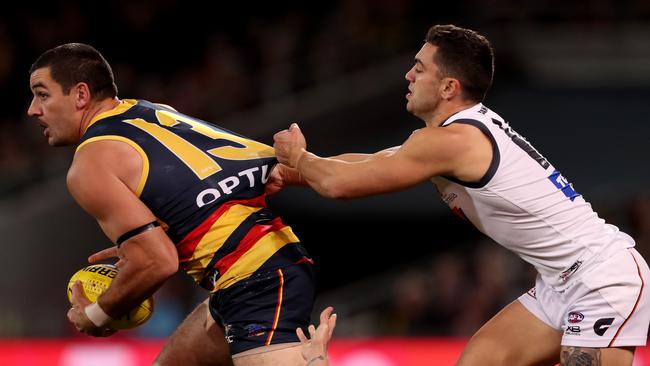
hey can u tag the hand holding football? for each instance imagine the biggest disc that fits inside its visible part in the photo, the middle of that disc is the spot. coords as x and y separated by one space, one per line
95 279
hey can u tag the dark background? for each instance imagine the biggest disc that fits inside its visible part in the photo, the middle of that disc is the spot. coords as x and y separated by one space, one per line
573 77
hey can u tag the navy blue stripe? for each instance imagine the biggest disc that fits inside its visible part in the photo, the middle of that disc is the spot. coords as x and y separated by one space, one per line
496 156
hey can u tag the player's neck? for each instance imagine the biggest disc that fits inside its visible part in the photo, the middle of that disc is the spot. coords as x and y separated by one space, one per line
446 110
95 109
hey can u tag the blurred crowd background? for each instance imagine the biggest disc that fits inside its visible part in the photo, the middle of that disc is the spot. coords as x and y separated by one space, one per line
573 77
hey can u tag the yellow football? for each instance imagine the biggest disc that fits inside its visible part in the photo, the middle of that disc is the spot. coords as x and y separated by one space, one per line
95 279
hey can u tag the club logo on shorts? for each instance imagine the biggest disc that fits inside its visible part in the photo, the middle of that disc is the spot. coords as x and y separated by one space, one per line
602 324
255 330
575 317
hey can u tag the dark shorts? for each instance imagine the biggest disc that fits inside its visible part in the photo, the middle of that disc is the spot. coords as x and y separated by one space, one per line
267 307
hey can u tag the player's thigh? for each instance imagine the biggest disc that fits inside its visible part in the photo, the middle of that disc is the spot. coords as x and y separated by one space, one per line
586 356
278 357
513 337
198 340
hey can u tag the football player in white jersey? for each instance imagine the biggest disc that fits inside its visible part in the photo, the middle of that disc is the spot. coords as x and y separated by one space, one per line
589 305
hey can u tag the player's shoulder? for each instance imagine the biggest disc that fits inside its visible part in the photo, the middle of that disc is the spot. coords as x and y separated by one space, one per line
431 144
106 156
447 134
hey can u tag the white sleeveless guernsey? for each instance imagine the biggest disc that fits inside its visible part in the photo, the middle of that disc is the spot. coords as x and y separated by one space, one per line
526 205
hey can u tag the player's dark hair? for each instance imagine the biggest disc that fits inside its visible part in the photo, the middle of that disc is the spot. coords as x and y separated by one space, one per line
465 55
73 63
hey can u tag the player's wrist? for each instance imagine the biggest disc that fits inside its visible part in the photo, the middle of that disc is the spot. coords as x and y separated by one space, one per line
97 315
298 159
316 360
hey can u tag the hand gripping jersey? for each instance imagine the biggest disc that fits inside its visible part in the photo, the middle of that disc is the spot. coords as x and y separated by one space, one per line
526 205
205 184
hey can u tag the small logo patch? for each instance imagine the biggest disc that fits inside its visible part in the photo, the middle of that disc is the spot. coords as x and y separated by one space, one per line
564 185
575 317
532 293
572 330
228 331
564 276
255 330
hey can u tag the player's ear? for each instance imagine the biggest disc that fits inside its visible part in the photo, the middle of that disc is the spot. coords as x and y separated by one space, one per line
81 94
449 88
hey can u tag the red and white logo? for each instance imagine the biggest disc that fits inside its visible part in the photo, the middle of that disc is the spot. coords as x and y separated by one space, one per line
575 317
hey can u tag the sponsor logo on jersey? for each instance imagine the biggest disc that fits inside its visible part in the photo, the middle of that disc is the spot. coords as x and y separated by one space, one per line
601 325
563 184
448 198
575 317
227 185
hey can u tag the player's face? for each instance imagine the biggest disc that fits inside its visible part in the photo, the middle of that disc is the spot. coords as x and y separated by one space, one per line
424 83
55 111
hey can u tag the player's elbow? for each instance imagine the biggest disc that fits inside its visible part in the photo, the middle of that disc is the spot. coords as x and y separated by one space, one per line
167 267
162 266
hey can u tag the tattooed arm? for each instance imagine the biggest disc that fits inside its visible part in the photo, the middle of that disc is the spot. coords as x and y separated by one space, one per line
580 356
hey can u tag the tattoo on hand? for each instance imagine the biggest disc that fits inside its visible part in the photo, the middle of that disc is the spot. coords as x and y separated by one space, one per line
578 356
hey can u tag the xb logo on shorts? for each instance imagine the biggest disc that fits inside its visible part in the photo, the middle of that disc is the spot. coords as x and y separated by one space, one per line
572 330
601 325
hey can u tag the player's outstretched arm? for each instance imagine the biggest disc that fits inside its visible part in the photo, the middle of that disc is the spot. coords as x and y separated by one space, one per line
428 152
282 175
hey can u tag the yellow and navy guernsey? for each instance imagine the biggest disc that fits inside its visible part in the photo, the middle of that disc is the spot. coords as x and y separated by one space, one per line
205 184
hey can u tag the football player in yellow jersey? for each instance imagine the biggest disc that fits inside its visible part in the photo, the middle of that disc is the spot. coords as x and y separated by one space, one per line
176 192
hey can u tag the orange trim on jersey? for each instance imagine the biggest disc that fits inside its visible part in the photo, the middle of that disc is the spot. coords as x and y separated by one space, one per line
125 105
216 237
189 243
145 160
253 252
276 319
304 260
635 304
252 237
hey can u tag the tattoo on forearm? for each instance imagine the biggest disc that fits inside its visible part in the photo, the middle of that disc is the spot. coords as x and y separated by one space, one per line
578 356
314 360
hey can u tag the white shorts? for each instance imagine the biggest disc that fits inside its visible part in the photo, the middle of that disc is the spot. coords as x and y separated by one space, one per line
608 307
